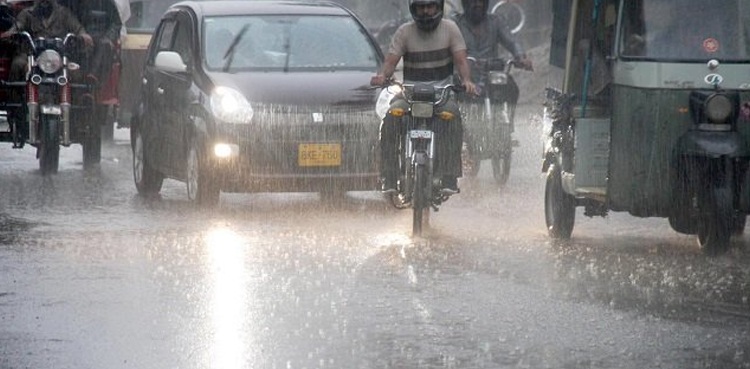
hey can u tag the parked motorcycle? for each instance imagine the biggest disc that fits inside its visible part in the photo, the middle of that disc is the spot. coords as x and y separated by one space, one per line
489 117
53 111
418 188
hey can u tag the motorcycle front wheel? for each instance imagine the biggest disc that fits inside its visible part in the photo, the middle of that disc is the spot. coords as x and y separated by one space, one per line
48 151
420 200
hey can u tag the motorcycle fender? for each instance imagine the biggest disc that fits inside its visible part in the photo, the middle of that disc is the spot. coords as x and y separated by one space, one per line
421 158
712 145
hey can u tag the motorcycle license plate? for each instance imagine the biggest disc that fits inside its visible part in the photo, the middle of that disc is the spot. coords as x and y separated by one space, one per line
51 109
420 134
319 155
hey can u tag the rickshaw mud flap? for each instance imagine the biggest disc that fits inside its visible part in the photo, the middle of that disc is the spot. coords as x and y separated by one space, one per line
712 145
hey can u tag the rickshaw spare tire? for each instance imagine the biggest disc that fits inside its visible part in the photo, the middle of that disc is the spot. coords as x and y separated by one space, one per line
559 207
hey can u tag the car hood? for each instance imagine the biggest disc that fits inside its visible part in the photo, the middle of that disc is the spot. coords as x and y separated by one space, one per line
340 88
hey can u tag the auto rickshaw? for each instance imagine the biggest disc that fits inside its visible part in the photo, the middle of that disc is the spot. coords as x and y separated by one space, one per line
650 115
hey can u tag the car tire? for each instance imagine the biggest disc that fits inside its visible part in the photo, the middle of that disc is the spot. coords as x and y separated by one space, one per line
147 180
202 188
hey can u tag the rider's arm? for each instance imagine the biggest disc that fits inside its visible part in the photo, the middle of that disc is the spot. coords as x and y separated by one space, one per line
464 70
506 39
389 66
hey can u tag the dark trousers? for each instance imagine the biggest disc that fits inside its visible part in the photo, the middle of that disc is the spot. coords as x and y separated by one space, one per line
100 60
448 136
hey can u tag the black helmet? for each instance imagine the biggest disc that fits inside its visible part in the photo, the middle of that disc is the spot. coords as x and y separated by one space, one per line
465 4
475 16
426 23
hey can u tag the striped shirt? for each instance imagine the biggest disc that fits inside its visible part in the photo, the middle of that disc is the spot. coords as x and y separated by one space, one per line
428 56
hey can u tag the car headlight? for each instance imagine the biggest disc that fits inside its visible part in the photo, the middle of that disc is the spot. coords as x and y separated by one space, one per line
49 61
384 100
230 106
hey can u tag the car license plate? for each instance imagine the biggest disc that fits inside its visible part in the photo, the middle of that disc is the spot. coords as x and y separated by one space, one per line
319 155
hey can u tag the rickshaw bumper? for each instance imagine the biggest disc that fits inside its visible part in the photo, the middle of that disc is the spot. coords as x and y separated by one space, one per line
713 145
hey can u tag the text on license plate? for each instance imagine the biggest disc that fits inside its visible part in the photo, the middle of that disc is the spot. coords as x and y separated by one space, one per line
319 155
420 134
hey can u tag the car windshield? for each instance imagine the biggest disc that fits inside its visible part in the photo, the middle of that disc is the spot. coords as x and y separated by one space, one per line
686 30
286 42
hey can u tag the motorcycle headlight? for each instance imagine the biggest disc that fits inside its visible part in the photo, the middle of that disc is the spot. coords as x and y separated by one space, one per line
718 108
384 100
49 61
498 78
230 106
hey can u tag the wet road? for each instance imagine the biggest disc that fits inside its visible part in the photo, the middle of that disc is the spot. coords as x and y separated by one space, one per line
92 276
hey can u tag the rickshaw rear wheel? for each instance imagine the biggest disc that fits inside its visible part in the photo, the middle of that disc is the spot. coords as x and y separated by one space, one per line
717 220
738 224
501 167
48 151
559 207
92 139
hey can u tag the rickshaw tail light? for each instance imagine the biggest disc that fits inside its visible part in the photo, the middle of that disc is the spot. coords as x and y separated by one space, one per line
446 115
397 112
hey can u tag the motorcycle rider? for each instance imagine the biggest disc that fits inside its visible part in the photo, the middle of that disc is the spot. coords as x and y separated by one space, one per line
483 33
46 18
430 47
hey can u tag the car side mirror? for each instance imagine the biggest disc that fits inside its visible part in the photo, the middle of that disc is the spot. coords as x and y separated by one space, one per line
170 61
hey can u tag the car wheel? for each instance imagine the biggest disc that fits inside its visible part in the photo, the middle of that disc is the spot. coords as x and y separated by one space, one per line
202 189
147 180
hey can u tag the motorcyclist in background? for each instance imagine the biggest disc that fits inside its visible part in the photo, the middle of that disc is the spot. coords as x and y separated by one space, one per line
484 32
101 19
430 46
45 19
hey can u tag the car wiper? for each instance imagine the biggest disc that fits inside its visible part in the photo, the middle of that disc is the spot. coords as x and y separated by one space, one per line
229 55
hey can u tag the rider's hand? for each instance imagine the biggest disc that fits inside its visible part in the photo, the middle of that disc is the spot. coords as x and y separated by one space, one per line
471 88
87 40
378 80
525 63
6 34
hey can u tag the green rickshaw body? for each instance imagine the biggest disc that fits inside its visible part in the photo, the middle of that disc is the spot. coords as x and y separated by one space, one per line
649 117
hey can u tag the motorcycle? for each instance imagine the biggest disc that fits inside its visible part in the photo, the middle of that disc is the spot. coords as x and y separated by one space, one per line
490 117
418 188
50 114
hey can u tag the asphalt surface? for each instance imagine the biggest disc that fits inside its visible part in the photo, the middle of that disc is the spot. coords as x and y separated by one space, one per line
93 276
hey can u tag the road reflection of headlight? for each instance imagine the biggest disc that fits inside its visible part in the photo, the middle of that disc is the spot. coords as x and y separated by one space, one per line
228 310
